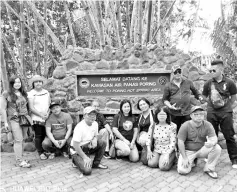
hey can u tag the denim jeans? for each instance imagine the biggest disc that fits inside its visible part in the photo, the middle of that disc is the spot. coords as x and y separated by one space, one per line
40 134
48 146
98 151
19 134
225 121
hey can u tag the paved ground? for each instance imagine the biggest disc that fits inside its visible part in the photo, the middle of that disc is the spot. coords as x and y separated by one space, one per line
58 176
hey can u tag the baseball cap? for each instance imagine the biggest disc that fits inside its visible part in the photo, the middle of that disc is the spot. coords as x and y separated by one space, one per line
54 103
175 67
195 108
88 110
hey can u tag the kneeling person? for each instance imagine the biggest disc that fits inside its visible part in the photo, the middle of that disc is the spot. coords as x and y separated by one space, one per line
86 141
58 131
197 139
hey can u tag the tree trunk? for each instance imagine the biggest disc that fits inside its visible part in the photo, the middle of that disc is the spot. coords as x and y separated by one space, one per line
127 20
37 61
22 56
144 22
4 77
45 39
55 40
69 23
158 22
118 15
100 21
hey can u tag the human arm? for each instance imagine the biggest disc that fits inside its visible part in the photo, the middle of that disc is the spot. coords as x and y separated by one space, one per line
181 146
68 134
87 160
211 136
108 128
3 111
195 92
135 133
51 137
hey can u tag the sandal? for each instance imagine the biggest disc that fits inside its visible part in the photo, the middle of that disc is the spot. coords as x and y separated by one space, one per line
51 156
65 154
24 164
43 156
212 174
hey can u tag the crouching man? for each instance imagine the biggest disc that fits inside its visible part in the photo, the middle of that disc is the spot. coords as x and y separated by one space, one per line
58 131
197 139
86 141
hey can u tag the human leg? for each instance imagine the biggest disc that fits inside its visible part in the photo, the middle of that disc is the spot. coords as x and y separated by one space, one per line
134 156
170 163
122 148
99 150
105 136
79 162
39 137
213 119
48 146
191 155
154 161
227 129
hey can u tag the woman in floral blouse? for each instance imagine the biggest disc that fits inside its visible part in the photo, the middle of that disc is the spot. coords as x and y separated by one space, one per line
164 136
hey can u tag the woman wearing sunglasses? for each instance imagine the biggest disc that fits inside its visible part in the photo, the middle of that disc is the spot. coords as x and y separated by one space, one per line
177 96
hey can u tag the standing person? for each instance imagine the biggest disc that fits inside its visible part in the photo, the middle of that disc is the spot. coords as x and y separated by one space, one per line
177 96
86 141
221 92
104 128
125 129
164 136
197 139
39 101
58 131
16 99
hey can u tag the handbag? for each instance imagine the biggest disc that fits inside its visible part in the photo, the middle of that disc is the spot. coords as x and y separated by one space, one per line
23 121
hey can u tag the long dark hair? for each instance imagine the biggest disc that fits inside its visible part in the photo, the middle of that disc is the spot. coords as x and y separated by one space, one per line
12 94
121 105
166 110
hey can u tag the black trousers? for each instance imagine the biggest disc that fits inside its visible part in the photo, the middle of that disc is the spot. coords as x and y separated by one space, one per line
40 134
179 120
224 121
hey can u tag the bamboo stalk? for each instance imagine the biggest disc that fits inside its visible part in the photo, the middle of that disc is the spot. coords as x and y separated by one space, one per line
127 20
158 21
22 56
4 71
45 38
70 23
149 21
37 61
55 40
118 11
135 26
18 16
112 12
140 22
144 22
165 19
102 38
152 18
133 19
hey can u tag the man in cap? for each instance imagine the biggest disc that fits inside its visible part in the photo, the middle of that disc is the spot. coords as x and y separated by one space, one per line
58 131
197 139
221 92
86 141
177 96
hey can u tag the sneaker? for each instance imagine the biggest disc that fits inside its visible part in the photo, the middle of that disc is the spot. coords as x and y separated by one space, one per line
107 156
24 164
43 156
100 166
234 164
74 166
65 154
212 174
51 156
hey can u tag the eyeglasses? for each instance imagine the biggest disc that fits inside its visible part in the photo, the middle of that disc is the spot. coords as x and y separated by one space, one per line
92 116
198 114
212 71
178 71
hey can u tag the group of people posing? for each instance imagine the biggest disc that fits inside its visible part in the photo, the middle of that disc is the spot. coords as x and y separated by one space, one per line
175 128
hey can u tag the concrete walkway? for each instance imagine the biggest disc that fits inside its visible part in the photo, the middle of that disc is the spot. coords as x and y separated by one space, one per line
58 176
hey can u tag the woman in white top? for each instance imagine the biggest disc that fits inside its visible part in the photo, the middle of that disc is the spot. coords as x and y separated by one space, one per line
39 101
164 138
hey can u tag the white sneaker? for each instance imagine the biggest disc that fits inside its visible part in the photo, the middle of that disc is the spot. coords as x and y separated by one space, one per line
234 166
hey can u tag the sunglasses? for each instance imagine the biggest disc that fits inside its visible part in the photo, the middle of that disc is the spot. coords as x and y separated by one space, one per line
212 71
178 71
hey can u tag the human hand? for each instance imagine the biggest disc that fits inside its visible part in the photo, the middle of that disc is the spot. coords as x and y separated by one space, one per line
93 143
208 143
149 154
87 162
6 127
174 107
166 159
127 142
62 142
57 143
111 137
132 144
185 162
